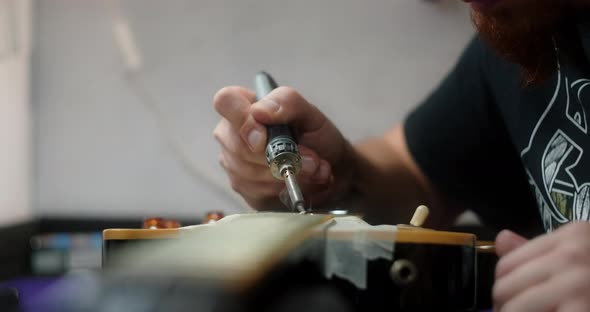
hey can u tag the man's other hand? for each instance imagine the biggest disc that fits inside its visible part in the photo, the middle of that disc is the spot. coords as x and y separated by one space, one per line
548 273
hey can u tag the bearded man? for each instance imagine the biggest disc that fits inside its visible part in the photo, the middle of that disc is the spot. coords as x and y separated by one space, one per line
504 135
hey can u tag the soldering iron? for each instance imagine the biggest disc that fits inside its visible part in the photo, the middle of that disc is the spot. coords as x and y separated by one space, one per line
282 154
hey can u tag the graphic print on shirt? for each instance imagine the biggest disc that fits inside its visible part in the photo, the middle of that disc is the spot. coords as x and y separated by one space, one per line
554 158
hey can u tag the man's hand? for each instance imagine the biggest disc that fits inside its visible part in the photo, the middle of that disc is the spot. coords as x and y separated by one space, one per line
242 136
548 273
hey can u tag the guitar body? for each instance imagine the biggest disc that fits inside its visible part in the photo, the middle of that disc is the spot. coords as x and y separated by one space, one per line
445 280
308 264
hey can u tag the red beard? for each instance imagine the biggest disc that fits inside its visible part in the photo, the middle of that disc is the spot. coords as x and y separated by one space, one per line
524 34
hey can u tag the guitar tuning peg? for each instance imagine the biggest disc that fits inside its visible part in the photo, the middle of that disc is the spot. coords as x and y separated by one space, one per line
420 216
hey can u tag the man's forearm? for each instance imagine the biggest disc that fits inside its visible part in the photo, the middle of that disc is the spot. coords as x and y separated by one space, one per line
392 183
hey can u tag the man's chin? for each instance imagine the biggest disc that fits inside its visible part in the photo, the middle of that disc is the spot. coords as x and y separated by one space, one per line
522 34
483 5
487 6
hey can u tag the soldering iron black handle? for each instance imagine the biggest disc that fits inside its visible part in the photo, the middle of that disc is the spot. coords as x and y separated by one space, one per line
281 152
264 85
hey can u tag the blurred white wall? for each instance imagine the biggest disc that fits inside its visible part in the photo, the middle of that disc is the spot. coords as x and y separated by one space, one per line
100 152
15 125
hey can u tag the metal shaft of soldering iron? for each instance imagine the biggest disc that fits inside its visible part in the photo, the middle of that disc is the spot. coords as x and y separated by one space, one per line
281 148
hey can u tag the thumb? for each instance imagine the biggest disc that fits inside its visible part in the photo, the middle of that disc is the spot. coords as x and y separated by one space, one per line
507 241
286 106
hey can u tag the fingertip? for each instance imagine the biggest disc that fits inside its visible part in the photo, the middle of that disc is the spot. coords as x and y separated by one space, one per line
233 102
255 137
267 111
253 134
506 241
310 160
503 233
267 105
232 91
323 173
281 106
309 165
222 97
502 239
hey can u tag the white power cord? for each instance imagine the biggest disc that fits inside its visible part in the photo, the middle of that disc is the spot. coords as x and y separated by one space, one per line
133 63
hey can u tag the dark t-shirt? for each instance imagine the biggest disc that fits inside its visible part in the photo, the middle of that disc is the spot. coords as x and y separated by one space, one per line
513 154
